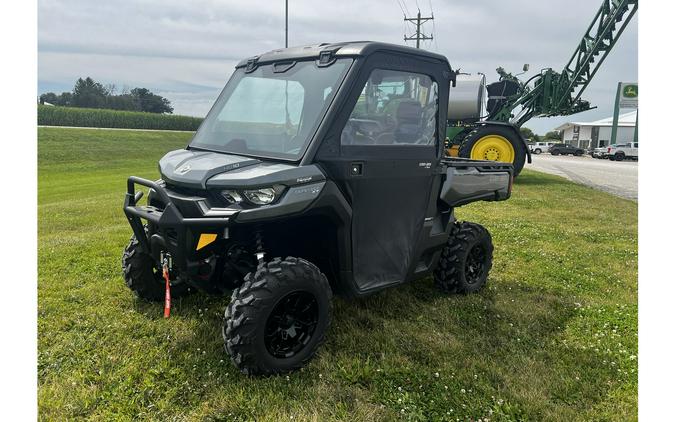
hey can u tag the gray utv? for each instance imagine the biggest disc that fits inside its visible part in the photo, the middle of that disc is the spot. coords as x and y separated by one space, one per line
319 169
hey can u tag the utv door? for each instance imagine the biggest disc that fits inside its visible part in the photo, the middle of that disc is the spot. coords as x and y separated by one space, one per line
388 154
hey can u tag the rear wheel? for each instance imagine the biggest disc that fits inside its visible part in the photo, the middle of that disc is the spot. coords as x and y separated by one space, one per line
466 259
619 156
555 152
278 318
144 278
494 143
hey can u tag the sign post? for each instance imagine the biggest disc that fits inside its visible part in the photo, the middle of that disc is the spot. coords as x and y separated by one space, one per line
626 97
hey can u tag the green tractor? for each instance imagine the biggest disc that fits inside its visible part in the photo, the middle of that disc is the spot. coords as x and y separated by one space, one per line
492 131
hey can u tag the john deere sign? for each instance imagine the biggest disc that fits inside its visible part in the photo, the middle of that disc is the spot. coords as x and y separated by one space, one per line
629 95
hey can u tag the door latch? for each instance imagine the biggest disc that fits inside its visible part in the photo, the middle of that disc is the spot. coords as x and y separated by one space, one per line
356 169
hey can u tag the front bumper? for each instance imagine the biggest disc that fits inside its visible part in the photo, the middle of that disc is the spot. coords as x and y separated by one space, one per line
169 230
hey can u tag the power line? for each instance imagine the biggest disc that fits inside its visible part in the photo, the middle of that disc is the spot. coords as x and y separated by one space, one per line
433 25
407 12
400 7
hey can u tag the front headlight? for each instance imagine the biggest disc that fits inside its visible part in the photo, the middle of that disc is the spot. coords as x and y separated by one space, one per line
262 196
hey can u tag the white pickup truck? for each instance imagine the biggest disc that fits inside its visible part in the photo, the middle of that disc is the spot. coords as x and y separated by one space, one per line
539 147
622 151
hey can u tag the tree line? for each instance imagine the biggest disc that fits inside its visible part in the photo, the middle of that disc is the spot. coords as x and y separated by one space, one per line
91 94
533 137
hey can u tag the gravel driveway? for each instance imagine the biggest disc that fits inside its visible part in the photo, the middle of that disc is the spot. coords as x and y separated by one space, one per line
619 178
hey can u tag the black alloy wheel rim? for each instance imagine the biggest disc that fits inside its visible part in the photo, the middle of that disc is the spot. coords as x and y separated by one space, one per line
291 324
475 264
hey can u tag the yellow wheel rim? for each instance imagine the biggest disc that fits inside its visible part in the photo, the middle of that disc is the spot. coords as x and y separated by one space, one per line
493 148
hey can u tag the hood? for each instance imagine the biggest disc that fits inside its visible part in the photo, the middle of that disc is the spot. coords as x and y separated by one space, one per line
192 168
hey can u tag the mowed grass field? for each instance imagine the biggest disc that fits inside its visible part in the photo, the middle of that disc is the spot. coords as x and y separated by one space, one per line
553 337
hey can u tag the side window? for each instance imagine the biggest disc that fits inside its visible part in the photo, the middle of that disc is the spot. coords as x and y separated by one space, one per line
394 108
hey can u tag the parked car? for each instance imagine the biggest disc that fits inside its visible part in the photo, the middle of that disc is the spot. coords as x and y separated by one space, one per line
539 147
623 151
564 149
601 152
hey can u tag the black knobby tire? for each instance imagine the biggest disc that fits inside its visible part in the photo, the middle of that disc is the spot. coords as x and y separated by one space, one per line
504 131
466 260
257 317
619 156
143 278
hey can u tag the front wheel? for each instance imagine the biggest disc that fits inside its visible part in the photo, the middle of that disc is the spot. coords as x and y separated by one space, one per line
578 153
144 278
537 151
465 260
278 318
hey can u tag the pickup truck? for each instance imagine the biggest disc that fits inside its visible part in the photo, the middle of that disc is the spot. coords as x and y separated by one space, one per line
622 151
540 147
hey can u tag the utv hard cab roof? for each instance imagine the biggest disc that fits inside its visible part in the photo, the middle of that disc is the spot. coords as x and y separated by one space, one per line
343 49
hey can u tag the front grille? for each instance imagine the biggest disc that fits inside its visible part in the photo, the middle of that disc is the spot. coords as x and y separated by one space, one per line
182 190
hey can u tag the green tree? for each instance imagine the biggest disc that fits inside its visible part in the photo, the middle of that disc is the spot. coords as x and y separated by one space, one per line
529 134
65 99
151 103
49 97
552 135
123 102
89 93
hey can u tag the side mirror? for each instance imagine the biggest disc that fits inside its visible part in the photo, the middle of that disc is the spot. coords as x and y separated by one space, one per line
526 67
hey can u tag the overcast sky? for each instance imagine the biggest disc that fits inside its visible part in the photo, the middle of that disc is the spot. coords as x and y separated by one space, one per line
186 50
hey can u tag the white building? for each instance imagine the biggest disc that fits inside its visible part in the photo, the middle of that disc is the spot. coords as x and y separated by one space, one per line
598 133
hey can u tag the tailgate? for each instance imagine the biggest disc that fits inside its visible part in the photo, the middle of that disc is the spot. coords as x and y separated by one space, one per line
475 180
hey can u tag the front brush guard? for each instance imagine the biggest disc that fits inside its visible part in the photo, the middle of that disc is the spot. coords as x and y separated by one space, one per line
167 220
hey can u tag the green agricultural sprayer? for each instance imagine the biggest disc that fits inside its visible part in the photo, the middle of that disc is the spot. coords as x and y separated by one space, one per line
492 132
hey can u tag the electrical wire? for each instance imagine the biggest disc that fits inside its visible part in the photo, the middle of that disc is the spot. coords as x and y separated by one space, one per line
433 26
401 7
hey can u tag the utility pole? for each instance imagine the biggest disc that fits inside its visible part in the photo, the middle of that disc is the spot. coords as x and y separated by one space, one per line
286 44
418 35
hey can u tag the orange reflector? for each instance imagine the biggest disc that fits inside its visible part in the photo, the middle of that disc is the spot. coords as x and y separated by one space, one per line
206 239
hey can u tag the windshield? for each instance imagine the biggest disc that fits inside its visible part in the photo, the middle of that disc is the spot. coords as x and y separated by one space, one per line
272 111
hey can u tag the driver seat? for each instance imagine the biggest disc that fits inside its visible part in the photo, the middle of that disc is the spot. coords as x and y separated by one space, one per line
408 122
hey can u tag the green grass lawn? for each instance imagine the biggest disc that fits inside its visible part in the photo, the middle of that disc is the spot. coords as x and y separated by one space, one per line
552 337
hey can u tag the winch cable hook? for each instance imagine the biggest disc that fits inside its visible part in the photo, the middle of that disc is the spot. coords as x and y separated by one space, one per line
167 288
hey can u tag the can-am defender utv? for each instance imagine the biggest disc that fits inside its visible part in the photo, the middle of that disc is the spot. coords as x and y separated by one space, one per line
318 169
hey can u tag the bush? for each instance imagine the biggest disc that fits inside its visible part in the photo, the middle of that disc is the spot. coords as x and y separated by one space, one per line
90 117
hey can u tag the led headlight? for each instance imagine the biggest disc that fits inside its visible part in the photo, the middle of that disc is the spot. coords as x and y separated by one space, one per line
262 196
231 196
